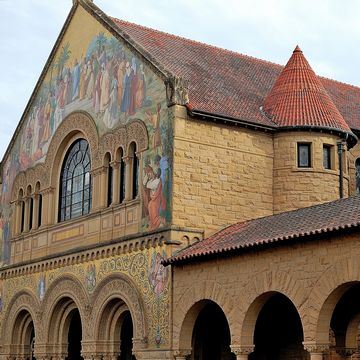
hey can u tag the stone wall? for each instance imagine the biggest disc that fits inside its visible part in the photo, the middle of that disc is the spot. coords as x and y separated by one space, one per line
221 175
354 154
296 187
307 273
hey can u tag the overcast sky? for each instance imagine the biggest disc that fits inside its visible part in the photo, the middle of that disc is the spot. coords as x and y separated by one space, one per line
327 31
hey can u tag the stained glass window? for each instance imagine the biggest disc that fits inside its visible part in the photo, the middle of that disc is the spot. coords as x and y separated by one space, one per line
75 182
304 155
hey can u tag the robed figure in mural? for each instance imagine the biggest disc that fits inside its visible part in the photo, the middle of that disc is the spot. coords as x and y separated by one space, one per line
153 197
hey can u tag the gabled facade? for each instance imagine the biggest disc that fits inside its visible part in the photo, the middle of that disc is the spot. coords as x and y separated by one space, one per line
136 148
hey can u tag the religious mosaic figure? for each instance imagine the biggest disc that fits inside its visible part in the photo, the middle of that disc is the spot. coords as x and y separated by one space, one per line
158 274
41 288
90 278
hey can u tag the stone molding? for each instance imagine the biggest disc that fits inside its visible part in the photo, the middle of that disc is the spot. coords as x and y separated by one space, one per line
242 350
315 348
127 245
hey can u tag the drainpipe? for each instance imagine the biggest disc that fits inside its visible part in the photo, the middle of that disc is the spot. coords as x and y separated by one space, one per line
340 148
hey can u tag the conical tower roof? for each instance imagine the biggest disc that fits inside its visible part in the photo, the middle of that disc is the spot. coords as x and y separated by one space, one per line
298 98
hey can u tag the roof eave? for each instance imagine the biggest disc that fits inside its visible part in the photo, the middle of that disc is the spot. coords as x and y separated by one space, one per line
229 120
234 250
348 136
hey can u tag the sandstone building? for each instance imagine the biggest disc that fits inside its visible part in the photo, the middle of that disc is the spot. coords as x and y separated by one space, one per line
166 199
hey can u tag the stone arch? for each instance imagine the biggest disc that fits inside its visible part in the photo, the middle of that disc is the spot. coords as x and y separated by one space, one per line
119 286
23 300
29 177
192 302
78 122
66 287
256 293
19 183
136 132
324 296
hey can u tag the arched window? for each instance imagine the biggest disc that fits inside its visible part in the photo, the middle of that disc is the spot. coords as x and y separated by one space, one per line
134 171
75 182
357 175
109 179
120 158
22 211
38 207
30 210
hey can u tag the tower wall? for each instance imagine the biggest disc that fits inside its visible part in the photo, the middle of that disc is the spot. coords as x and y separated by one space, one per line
296 187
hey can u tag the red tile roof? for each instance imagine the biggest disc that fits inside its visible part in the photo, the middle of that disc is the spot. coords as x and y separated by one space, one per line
298 98
226 83
338 215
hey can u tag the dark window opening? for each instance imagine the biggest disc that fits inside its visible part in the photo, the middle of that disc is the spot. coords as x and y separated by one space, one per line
31 209
304 155
327 157
22 220
39 210
135 185
122 180
110 185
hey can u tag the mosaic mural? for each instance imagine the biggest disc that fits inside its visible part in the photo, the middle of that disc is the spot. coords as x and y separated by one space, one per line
144 268
102 77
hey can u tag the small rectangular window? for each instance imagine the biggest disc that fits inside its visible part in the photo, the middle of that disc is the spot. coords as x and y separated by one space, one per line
327 156
304 155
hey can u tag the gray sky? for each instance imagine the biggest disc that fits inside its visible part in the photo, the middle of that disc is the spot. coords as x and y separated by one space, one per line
327 31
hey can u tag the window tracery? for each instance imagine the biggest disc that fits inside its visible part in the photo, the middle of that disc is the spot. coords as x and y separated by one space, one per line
75 182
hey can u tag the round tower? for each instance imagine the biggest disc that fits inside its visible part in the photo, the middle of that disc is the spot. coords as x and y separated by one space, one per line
311 139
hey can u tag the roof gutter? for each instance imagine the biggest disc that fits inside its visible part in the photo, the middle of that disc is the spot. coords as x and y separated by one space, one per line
230 120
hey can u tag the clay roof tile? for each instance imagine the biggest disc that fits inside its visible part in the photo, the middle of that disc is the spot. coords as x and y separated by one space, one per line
234 85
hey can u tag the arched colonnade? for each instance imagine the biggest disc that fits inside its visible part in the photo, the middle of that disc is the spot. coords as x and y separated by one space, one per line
274 319
70 324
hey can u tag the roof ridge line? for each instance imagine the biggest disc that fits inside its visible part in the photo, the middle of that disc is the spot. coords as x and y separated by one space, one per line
339 82
200 42
225 50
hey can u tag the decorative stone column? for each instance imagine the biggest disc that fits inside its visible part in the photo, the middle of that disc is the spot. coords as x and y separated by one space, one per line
48 211
98 178
128 177
242 352
27 213
35 211
116 182
315 350
17 219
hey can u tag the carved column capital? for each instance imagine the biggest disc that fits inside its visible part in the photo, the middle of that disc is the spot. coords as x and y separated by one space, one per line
315 348
48 191
115 164
127 159
242 351
182 354
98 171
